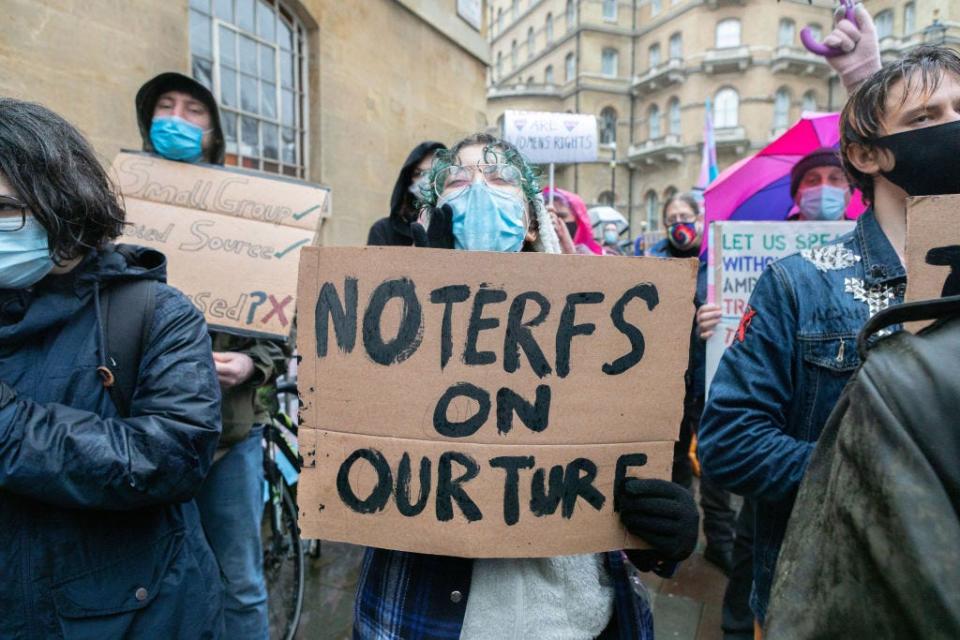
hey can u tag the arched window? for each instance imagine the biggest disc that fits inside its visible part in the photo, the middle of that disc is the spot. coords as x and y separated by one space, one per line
548 29
787 31
884 24
570 67
548 75
261 68
728 33
726 107
653 210
500 20
673 113
781 108
654 52
610 10
513 54
809 101
609 62
654 123
608 125
669 192
909 18
606 198
499 64
531 43
676 46
571 14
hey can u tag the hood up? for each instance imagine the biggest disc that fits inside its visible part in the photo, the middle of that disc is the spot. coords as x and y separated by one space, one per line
152 90
584 235
401 195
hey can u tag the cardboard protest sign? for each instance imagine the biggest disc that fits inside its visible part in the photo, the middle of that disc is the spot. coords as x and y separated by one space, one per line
232 238
544 137
485 404
738 254
933 247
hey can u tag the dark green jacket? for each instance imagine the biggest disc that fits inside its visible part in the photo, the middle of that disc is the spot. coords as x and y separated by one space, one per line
241 406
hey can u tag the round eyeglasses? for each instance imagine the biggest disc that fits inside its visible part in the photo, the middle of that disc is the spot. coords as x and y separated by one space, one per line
456 178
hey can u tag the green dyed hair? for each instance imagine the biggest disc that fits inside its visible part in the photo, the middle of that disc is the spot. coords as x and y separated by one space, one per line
493 149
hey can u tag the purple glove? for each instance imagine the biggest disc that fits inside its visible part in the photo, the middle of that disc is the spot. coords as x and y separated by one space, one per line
861 56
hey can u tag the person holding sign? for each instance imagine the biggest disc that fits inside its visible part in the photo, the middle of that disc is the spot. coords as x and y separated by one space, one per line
100 536
404 202
486 198
179 120
796 345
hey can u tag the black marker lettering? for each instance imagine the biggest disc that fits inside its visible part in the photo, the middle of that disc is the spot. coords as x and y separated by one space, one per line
648 293
343 314
402 495
624 462
568 328
449 489
543 500
511 492
448 296
577 485
519 336
478 323
380 494
445 427
535 416
410 332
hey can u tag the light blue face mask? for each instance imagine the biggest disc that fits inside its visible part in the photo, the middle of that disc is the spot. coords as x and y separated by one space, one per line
485 219
823 203
176 139
24 254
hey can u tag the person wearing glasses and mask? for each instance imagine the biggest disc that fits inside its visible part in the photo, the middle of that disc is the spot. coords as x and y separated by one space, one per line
485 197
405 200
101 537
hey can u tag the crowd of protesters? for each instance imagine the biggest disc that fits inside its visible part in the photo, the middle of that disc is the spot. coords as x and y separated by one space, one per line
137 514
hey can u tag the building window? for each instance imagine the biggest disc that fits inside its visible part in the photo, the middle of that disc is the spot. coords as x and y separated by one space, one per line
728 33
608 125
499 64
252 54
669 192
548 28
653 210
676 46
809 101
781 109
571 14
531 43
726 107
653 122
548 75
884 24
515 9
570 67
500 20
909 18
609 62
610 10
606 198
655 6
816 31
786 33
673 113
513 55
654 55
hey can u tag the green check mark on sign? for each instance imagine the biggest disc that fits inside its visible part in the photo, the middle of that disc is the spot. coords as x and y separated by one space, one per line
298 243
306 212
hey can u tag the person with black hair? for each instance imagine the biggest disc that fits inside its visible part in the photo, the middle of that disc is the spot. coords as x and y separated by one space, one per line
101 536
405 199
179 120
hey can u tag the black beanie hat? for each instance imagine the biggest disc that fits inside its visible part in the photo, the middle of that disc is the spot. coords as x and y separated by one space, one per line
822 157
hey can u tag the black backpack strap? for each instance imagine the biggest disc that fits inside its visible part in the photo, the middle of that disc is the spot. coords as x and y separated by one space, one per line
920 310
127 309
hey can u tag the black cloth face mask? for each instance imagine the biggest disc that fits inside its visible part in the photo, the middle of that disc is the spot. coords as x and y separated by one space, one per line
927 161
571 228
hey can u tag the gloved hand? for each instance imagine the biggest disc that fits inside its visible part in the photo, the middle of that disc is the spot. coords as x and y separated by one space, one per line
662 514
862 50
440 233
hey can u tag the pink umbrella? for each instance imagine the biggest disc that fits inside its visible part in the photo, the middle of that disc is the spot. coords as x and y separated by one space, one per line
758 187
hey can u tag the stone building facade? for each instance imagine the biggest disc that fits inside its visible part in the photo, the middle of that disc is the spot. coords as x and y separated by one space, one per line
647 69
334 92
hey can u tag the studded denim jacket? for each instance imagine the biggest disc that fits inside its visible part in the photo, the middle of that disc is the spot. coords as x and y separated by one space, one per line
780 379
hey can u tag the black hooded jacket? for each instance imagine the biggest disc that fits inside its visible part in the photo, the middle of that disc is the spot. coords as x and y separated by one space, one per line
395 230
171 81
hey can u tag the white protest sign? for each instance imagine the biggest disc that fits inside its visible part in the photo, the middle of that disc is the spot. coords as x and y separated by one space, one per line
544 137
738 254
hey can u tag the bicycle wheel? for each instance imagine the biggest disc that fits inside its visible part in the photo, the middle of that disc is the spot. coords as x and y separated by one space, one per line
283 564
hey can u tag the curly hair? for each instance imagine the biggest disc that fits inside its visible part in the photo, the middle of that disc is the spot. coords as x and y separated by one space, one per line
55 172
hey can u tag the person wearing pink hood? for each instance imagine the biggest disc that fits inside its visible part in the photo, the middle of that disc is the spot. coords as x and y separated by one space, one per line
572 222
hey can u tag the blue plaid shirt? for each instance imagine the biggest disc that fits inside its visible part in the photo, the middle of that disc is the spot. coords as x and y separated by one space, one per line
411 596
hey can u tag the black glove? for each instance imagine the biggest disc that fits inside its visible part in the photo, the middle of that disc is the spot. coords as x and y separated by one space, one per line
662 514
440 233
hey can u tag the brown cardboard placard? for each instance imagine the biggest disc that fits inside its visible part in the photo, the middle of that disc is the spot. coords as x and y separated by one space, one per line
232 238
933 247
486 355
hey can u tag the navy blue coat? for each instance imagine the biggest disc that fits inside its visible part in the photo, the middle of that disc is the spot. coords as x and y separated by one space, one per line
99 536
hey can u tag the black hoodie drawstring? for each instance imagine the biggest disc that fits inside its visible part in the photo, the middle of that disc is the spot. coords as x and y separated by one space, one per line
106 375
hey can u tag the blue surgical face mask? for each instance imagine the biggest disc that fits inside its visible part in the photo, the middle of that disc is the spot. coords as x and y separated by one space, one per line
176 139
610 237
485 219
823 203
24 254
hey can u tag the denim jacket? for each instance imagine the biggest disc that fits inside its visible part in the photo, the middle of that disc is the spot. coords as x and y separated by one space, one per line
780 379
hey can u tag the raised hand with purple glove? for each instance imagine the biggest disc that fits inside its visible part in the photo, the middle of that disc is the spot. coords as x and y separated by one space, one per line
858 48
